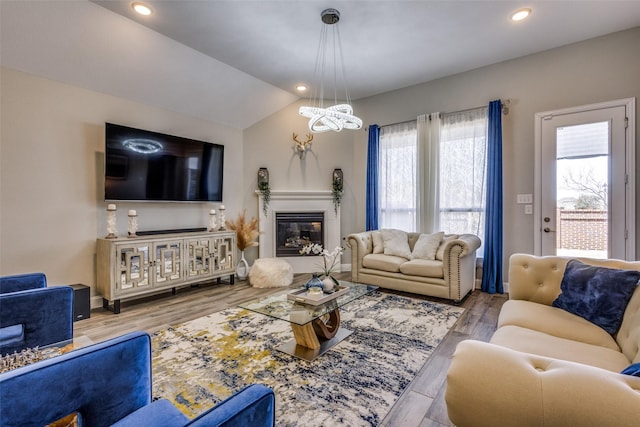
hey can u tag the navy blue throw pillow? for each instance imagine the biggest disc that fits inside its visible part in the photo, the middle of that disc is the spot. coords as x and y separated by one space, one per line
632 370
597 294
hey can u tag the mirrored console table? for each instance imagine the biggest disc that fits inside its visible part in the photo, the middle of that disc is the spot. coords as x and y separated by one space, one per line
135 267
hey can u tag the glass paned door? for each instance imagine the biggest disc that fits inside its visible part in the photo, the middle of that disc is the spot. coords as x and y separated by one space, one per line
583 184
582 190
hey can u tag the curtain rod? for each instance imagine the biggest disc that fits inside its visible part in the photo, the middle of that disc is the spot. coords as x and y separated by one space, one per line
505 111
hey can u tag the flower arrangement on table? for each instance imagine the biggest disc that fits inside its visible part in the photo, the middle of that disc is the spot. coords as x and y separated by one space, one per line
246 232
329 259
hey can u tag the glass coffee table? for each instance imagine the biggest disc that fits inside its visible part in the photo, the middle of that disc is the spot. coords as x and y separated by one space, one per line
316 328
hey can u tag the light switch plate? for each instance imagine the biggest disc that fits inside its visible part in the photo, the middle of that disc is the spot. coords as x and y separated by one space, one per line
528 209
523 199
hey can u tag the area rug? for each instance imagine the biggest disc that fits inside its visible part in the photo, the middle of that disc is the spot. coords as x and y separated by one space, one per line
199 363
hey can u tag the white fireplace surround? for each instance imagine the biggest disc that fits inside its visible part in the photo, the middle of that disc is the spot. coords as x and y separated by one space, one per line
298 201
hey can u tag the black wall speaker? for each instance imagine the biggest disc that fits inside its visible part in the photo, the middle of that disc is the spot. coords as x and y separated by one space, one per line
81 302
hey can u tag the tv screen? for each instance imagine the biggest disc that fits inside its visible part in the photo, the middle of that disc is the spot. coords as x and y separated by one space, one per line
148 166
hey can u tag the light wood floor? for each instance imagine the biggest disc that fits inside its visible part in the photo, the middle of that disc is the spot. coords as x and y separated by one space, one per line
421 405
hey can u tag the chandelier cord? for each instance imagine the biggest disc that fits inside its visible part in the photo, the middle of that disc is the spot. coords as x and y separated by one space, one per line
344 69
319 69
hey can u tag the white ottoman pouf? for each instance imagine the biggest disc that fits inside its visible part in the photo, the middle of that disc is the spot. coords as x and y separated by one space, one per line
270 273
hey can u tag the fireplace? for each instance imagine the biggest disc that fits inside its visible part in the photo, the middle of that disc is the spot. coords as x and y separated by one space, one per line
316 202
294 230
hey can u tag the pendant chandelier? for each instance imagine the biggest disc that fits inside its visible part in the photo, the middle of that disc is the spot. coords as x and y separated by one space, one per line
338 116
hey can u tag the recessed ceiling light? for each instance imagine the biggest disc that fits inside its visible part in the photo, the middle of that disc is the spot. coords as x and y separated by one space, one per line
141 8
301 88
521 14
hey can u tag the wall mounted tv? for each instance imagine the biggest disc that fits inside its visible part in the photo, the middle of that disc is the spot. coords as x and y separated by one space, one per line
148 166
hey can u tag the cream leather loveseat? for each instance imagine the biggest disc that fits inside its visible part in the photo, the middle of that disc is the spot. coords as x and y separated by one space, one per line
545 366
451 274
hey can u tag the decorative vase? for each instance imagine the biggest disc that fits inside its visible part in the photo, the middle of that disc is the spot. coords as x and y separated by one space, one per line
329 283
242 269
314 282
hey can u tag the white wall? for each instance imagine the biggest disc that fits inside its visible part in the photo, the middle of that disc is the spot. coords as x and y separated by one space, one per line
52 205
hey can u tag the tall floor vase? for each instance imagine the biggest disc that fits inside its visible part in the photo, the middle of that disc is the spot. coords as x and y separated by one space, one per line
242 269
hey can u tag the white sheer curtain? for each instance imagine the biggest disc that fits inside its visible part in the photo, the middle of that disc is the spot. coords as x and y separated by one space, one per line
397 181
462 172
428 154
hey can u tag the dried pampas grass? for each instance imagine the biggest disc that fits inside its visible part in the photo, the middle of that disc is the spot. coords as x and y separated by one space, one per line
247 232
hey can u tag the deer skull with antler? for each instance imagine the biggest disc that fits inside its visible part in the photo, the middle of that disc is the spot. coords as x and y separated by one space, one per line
301 147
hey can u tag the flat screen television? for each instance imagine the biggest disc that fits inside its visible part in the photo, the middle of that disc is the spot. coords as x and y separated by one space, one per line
142 165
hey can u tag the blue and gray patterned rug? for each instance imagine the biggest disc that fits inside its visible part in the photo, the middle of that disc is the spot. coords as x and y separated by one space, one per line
201 362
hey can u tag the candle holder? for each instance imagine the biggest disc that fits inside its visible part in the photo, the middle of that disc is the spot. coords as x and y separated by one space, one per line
133 223
221 210
111 222
212 220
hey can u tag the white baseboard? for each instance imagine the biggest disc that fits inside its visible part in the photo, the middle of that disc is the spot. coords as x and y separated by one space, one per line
96 302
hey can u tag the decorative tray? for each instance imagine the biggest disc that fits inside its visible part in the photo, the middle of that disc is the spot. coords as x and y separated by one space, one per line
302 296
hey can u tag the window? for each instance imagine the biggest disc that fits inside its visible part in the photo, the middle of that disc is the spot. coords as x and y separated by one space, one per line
398 176
459 187
462 177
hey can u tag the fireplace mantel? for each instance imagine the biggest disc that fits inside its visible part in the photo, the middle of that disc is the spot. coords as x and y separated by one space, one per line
298 201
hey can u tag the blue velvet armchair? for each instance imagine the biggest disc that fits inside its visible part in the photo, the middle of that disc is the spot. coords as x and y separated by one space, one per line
109 383
33 315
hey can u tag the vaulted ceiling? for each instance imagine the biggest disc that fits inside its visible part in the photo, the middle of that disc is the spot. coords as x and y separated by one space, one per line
236 62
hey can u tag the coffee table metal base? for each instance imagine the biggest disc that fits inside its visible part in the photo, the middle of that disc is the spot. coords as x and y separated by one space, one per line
309 354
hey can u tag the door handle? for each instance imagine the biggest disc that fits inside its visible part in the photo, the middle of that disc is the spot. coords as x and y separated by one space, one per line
548 230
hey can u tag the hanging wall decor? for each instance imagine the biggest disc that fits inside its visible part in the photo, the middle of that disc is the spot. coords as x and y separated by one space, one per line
264 188
337 188
301 147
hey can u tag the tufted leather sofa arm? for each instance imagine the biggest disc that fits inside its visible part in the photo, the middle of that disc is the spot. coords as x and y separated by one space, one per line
468 243
535 391
459 276
361 244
